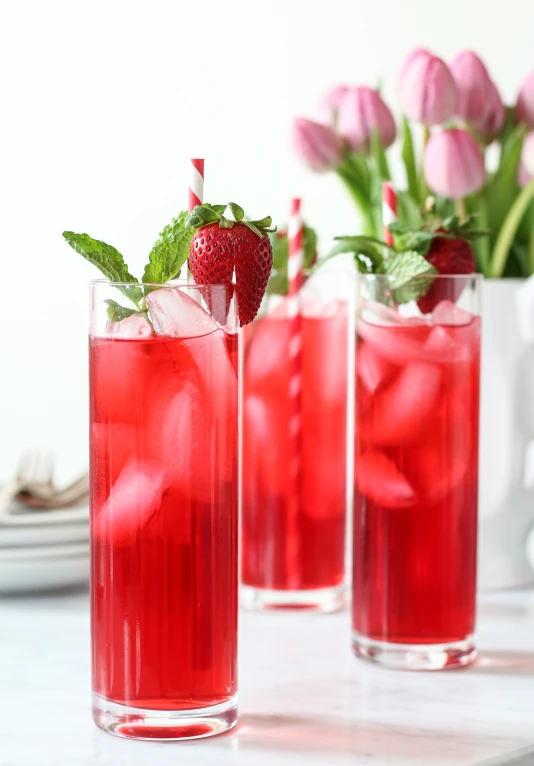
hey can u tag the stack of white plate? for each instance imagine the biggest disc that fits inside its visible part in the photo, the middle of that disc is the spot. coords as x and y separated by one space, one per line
40 550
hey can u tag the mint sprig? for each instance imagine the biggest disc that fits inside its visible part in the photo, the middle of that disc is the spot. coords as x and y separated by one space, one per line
407 270
116 312
170 251
167 257
404 267
107 259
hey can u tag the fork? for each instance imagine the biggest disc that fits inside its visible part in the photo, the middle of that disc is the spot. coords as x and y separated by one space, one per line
35 470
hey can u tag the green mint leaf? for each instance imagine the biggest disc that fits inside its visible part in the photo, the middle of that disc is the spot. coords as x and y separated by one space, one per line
310 246
106 258
278 284
402 268
280 247
419 241
169 252
116 312
398 228
362 264
237 211
367 246
219 209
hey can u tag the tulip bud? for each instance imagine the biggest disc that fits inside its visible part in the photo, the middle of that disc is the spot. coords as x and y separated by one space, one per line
454 164
527 154
328 109
474 87
317 145
525 102
427 90
493 122
362 112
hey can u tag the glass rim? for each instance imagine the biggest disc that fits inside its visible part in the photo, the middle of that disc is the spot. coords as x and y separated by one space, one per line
170 283
475 276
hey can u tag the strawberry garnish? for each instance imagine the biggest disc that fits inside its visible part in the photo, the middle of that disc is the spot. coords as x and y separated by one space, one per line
236 253
448 255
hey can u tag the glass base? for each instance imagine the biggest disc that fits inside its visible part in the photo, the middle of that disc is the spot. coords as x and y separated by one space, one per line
322 600
139 723
455 654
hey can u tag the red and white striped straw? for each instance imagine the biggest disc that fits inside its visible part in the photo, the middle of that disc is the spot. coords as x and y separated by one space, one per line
196 192
295 279
196 183
389 210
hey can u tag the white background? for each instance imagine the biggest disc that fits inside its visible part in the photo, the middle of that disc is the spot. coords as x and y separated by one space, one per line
102 102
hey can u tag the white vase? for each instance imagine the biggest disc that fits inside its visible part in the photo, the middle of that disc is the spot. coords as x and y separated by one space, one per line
506 481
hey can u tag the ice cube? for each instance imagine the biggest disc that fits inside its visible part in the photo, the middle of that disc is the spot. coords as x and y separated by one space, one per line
524 299
395 343
134 326
373 370
379 314
193 447
444 346
379 480
176 314
132 501
448 313
400 411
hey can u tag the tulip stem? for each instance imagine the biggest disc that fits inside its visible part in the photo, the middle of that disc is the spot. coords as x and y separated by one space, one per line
423 188
359 199
461 210
531 242
509 229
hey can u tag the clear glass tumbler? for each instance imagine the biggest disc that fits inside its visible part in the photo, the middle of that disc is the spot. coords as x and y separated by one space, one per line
294 477
164 452
416 472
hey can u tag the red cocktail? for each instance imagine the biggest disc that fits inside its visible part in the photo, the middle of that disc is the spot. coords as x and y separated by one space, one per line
293 537
164 518
416 468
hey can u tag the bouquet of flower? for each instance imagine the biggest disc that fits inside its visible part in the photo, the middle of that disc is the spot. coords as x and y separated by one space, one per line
454 123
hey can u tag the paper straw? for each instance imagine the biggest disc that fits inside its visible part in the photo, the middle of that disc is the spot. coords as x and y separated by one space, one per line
295 278
196 183
389 210
196 193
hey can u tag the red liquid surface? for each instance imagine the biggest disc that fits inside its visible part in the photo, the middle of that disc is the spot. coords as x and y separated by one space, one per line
416 463
164 520
288 542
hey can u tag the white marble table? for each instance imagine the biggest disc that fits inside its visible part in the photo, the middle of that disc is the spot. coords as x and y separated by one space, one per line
305 699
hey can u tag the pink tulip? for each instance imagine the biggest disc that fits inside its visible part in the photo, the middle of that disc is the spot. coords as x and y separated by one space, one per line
454 164
525 102
361 112
427 90
493 122
317 145
328 108
527 154
474 87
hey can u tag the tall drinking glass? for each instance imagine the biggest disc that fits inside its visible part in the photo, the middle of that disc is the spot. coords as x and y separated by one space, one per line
163 390
294 483
416 472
